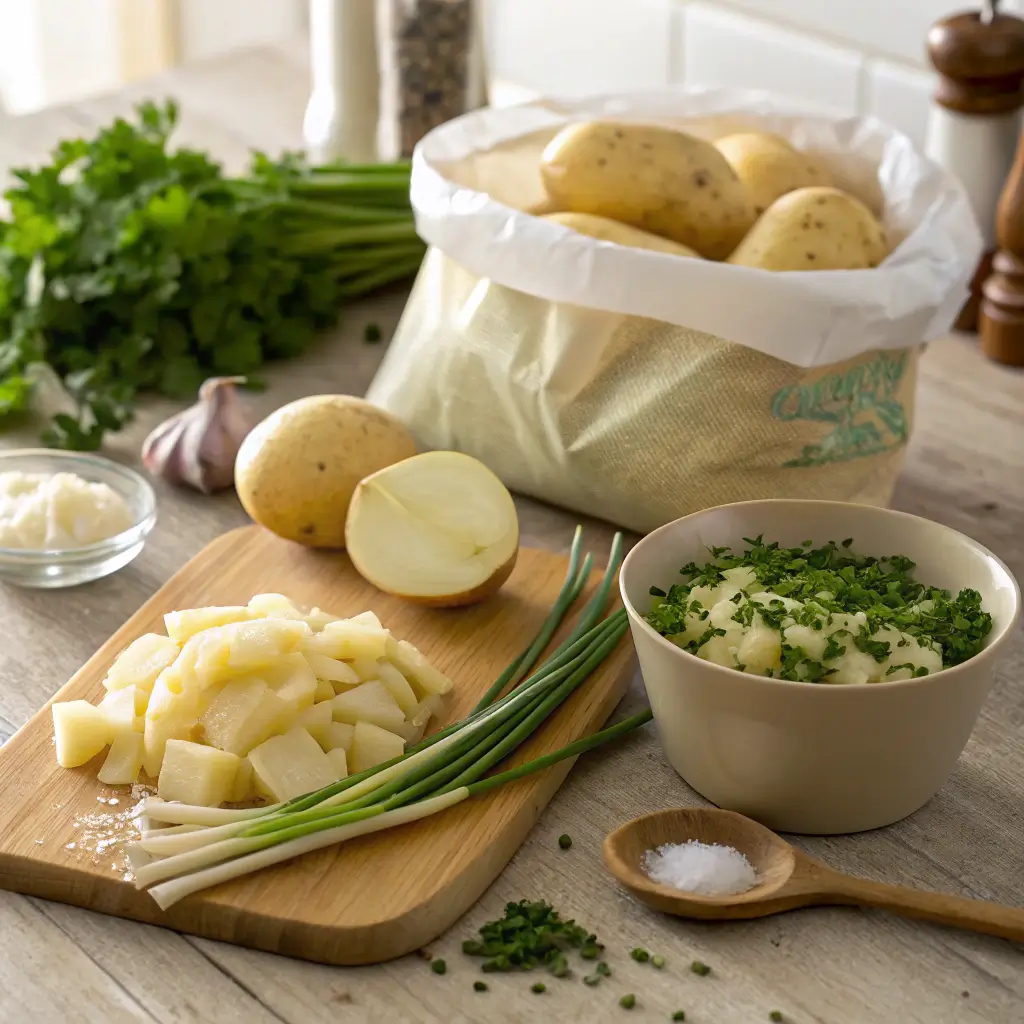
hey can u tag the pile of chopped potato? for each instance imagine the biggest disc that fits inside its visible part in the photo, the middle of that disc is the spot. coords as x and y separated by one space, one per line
261 701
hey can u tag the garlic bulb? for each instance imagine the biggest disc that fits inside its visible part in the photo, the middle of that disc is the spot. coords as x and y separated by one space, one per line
197 447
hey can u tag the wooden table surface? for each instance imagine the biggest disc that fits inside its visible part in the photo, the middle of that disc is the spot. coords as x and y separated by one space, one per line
833 966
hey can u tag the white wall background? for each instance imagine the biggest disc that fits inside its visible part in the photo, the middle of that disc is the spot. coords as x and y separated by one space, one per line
855 56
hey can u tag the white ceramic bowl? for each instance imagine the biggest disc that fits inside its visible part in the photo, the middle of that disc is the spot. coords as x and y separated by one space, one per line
67 567
801 757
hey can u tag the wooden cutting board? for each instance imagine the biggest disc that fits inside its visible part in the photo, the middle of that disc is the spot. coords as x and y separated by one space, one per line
369 900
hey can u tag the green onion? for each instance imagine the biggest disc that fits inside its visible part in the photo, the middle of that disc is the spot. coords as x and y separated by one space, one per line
438 966
439 772
657 961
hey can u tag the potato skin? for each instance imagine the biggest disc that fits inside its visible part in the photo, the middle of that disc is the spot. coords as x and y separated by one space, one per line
296 471
656 179
606 230
769 166
814 229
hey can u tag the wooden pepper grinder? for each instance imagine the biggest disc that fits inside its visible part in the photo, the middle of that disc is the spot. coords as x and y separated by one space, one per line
1001 321
976 116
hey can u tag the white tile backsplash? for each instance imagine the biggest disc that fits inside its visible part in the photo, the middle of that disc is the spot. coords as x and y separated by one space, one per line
574 47
721 48
899 96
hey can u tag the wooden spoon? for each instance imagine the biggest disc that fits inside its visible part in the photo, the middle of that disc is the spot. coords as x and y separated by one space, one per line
787 877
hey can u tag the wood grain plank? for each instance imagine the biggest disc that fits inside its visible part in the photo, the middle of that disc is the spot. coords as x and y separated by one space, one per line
367 901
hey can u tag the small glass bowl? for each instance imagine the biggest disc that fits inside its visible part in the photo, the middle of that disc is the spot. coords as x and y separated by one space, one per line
67 567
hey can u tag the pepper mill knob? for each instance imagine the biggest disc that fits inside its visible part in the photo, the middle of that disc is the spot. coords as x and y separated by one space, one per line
980 60
975 118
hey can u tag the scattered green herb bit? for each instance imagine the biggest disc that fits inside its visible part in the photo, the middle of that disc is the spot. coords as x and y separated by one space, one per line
775 1015
679 1015
565 841
657 592
531 935
657 961
479 986
628 1001
371 334
699 968
640 955
127 265
592 979
438 966
829 580
538 987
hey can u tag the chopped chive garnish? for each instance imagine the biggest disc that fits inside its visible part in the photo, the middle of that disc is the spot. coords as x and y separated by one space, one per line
438 966
479 986
603 969
640 955
698 968
565 841
775 1015
679 1015
628 1001
538 987
657 961
371 333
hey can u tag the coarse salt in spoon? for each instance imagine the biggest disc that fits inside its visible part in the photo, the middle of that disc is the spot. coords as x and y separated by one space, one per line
787 878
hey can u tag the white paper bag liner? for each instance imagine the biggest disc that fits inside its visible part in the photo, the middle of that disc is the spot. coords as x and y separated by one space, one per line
808 318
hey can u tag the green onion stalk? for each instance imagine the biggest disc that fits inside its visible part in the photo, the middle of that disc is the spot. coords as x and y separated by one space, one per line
204 846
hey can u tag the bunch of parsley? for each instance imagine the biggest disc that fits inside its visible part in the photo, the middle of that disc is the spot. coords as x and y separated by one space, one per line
126 265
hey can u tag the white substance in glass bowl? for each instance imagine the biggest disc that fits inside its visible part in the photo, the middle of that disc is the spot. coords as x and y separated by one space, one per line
53 511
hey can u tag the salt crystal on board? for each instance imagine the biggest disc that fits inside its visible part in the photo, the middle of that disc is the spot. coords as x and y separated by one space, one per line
707 869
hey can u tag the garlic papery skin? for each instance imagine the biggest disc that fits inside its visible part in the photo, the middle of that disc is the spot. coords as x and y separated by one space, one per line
197 447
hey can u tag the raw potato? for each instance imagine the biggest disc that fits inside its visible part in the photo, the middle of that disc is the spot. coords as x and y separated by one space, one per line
605 230
814 229
656 179
296 471
769 166
196 774
439 529
80 731
291 765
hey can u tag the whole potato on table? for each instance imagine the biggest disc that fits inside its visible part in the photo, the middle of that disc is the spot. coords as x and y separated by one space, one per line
296 471
769 166
606 230
656 179
814 229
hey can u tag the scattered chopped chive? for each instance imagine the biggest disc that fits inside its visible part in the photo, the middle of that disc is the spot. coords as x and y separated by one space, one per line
640 955
628 1001
592 979
679 1015
565 841
438 966
371 333
657 961
538 987
775 1015
603 969
479 986
590 952
698 968
560 968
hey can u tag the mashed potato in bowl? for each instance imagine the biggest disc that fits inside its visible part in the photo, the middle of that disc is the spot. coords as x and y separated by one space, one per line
818 615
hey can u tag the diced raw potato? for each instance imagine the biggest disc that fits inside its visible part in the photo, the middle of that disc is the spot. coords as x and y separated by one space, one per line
155 736
242 788
368 702
338 734
187 623
274 606
256 645
398 686
339 761
293 680
415 667
347 639
317 619
81 731
168 697
371 746
121 709
324 691
316 721
196 774
366 618
244 714
124 760
331 669
291 765
366 668
141 662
